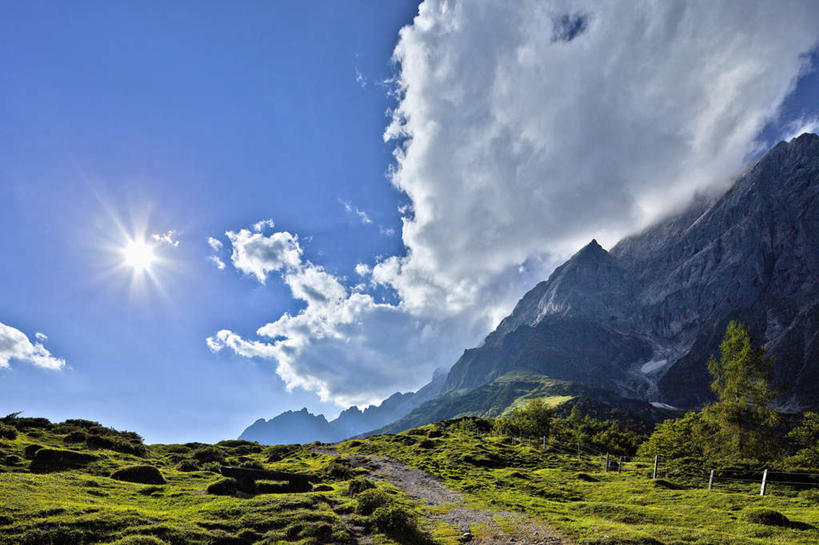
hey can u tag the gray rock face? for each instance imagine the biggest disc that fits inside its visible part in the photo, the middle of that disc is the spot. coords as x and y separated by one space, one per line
643 318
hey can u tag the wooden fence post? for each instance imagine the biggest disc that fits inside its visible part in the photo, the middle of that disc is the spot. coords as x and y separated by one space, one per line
711 480
620 465
607 462
764 482
654 475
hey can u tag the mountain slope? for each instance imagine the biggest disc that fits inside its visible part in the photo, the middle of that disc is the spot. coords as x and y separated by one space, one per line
304 427
643 318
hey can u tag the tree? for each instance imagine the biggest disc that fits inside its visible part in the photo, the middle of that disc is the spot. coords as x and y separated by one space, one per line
805 438
742 418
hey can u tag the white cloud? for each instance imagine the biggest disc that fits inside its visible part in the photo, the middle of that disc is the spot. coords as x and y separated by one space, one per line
517 146
259 255
42 337
362 269
215 244
800 126
168 238
362 216
261 224
15 345
343 345
360 78
522 130
218 261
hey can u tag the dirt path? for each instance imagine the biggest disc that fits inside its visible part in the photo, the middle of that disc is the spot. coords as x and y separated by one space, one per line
430 490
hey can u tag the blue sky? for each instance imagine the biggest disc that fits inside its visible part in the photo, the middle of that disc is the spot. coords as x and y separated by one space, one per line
120 121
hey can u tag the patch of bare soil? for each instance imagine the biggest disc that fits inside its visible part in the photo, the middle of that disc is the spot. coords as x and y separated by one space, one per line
425 487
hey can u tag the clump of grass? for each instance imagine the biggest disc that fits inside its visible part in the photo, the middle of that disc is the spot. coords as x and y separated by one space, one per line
370 500
209 454
359 485
339 469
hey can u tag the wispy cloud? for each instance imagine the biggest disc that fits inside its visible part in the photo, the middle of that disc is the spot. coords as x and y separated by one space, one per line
362 215
169 238
360 78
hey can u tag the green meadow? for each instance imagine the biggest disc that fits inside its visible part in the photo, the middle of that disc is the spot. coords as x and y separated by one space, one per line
63 484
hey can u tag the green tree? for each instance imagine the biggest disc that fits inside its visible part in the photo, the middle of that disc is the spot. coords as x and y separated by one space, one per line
742 420
805 438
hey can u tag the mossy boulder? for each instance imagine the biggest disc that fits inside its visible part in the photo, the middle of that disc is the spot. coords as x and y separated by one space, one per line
52 459
30 451
223 487
139 474
768 517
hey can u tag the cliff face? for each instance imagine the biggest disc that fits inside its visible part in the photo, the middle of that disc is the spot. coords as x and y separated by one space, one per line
643 318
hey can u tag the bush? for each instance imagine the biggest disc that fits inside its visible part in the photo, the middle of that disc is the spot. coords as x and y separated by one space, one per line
394 521
118 443
370 500
359 485
240 446
48 459
276 453
139 474
768 517
339 469
24 424
209 454
187 466
75 437
533 420
223 487
7 432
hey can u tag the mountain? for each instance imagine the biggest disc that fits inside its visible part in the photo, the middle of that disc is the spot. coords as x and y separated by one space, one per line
641 320
305 427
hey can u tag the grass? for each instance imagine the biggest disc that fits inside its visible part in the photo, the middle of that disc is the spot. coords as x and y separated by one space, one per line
85 505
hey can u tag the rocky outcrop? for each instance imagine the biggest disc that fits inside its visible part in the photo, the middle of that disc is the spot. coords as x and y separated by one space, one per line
643 318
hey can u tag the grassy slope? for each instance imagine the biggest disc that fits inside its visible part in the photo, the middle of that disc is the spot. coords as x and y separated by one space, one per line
613 508
497 397
86 506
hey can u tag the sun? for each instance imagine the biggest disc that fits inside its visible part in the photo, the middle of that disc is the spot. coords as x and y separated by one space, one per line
139 255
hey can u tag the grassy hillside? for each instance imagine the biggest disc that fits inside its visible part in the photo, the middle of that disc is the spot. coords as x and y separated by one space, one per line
515 388
50 497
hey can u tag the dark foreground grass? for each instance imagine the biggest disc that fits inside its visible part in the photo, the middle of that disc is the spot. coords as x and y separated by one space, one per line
81 503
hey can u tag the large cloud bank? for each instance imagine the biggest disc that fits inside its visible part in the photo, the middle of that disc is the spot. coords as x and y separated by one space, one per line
522 130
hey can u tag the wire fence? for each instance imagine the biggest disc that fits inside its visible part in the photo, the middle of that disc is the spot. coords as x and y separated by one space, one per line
750 480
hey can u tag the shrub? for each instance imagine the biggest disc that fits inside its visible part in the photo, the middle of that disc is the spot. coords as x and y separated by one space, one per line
277 453
339 469
358 485
187 466
426 443
370 500
209 454
223 487
394 521
240 446
75 437
24 424
139 474
48 459
768 517
116 443
7 432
